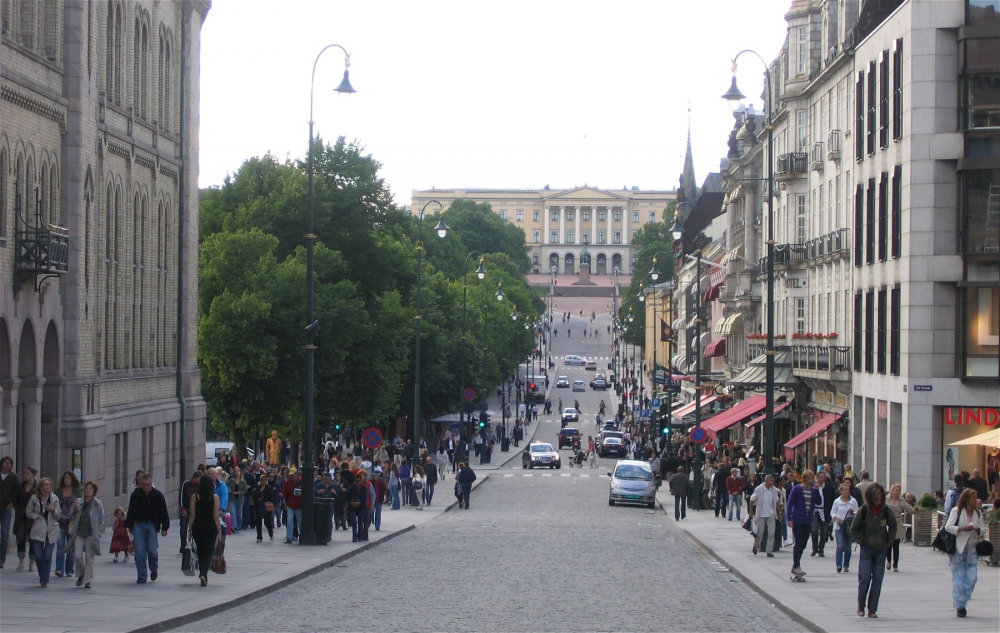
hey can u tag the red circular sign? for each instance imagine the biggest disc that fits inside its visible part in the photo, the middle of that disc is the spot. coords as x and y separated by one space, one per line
372 437
699 435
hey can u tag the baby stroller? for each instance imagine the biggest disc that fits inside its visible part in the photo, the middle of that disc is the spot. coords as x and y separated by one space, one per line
578 457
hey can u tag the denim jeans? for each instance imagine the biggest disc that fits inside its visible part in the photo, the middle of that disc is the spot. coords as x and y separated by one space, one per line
43 558
844 542
820 532
234 514
466 493
357 518
871 569
394 491
378 516
964 573
146 544
6 515
680 507
735 501
293 517
720 503
64 558
800 532
428 492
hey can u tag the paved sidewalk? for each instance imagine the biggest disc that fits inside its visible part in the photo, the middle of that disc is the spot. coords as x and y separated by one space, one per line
117 603
917 598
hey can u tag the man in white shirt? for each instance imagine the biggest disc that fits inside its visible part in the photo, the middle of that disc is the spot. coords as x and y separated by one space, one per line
764 504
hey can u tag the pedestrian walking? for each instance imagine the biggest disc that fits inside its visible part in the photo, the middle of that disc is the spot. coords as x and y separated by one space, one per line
432 478
22 524
873 528
206 530
69 491
147 511
44 513
718 484
394 484
821 514
8 490
734 487
419 483
291 494
86 528
965 522
465 478
801 501
763 506
188 488
121 541
843 511
263 498
357 502
679 489
378 488
900 508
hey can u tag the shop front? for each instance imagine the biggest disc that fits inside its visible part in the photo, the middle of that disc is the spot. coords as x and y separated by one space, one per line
969 441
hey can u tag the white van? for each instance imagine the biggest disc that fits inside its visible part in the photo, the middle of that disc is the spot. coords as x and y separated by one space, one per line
214 449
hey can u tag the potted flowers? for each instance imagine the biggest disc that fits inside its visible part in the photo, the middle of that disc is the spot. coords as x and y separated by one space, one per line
923 513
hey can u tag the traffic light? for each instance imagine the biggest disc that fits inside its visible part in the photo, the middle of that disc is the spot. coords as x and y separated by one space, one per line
482 420
532 386
337 427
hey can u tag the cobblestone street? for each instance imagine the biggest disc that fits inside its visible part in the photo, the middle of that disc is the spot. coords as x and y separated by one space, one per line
537 552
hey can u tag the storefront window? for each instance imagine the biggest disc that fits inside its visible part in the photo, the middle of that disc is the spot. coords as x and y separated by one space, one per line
981 204
982 100
981 358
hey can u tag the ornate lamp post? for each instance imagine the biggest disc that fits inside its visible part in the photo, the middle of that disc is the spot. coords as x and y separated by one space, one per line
307 531
481 274
442 230
733 96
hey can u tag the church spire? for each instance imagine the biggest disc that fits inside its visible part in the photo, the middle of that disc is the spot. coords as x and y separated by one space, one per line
688 190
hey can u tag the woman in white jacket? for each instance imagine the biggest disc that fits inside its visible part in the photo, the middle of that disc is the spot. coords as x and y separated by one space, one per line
44 513
966 522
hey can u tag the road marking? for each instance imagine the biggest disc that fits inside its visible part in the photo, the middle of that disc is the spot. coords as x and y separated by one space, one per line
546 474
528 475
565 475
508 475
584 475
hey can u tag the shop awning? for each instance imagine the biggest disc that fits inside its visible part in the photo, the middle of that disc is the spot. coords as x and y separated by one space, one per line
729 417
755 375
732 255
732 321
822 423
678 323
713 292
715 348
688 409
675 362
778 408
717 328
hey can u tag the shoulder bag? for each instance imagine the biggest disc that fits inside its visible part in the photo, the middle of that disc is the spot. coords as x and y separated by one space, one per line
944 541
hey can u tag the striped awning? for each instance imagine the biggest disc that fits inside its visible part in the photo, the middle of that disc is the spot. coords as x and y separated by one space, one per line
729 417
715 348
688 409
823 422
718 325
733 255
778 408
713 292
734 320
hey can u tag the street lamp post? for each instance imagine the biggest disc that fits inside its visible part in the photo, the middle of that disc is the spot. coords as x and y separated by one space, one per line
481 274
442 230
734 96
307 531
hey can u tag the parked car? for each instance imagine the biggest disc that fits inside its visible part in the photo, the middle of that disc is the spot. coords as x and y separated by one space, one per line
540 454
569 436
578 385
570 414
562 381
591 365
573 359
632 482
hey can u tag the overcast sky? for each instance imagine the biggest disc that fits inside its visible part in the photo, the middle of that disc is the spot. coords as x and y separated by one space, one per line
485 94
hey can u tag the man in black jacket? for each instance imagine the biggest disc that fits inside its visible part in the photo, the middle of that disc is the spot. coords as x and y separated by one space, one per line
432 477
821 516
8 487
147 511
465 478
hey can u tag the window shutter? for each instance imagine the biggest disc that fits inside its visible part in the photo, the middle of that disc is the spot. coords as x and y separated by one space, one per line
883 216
859 116
897 211
897 90
883 100
871 108
859 225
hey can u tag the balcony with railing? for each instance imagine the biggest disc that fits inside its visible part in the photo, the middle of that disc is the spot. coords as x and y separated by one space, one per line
833 145
816 157
785 256
41 249
834 245
791 165
828 362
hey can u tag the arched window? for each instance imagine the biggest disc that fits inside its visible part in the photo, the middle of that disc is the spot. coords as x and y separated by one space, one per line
54 217
28 23
3 189
140 65
109 223
50 29
43 196
115 52
164 84
28 197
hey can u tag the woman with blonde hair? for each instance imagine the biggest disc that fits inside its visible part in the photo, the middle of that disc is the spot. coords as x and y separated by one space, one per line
44 513
965 522
899 508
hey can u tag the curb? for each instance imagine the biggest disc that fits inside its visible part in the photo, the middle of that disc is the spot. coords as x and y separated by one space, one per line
188 618
790 612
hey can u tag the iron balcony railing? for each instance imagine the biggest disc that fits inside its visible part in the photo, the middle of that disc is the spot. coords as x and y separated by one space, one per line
833 145
42 250
835 243
816 156
822 357
794 163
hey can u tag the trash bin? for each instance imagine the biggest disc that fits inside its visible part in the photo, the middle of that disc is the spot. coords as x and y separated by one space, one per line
505 445
485 453
323 520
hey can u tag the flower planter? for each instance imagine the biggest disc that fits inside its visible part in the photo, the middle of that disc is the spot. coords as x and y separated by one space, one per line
923 527
994 537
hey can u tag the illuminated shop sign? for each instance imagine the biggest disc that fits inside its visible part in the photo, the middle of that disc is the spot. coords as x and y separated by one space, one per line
967 416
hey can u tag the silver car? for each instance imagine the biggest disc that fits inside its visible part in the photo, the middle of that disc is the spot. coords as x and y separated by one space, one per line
540 454
632 482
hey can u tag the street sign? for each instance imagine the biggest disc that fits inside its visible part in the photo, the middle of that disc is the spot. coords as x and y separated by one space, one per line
469 394
655 403
644 414
635 407
506 413
699 435
372 437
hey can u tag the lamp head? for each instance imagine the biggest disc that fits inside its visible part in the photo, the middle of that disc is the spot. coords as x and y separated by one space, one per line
654 274
677 229
642 296
345 86
514 315
442 229
481 271
499 293
733 96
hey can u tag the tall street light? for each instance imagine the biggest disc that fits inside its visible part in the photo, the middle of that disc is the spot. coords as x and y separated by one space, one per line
307 531
733 96
481 274
442 230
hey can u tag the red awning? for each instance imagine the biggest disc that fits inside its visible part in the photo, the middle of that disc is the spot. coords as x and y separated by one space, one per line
715 348
742 411
822 423
713 292
778 407
689 408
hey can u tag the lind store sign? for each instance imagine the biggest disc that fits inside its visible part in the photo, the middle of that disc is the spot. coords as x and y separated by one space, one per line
968 416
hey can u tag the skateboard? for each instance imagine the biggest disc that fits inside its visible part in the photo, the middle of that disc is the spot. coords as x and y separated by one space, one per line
795 578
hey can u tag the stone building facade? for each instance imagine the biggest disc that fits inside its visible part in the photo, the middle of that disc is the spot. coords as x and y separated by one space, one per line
99 239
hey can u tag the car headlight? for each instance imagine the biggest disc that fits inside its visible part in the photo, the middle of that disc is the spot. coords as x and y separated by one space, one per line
556 457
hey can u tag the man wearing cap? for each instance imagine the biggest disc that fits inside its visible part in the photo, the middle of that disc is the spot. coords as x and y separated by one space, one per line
291 493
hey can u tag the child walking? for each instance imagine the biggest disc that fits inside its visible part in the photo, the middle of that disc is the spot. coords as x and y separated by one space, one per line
120 540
